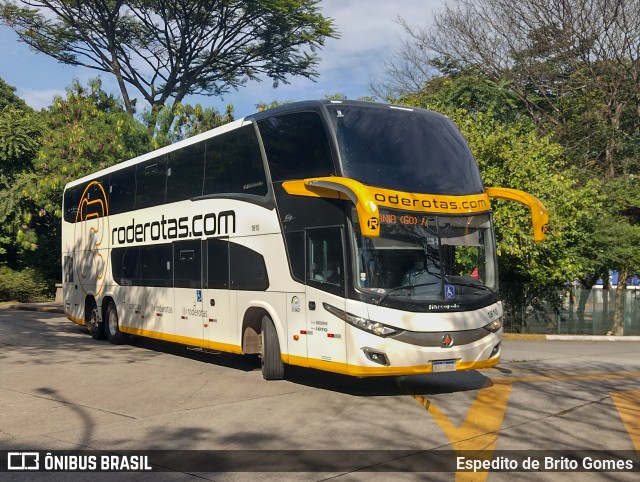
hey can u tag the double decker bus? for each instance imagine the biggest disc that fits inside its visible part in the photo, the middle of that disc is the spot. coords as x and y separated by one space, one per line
344 236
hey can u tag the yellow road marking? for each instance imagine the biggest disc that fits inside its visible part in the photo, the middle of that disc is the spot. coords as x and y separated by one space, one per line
481 427
628 406
559 378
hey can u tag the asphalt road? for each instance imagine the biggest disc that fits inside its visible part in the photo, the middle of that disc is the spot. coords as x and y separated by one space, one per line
61 390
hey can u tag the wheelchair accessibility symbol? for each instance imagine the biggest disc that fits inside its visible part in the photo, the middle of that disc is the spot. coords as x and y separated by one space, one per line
199 296
449 292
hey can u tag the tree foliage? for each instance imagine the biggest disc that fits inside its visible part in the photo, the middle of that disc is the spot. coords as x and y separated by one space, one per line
179 121
26 286
9 98
86 131
20 131
575 66
169 49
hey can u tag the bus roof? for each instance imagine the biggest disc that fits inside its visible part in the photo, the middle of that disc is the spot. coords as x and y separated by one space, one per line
283 109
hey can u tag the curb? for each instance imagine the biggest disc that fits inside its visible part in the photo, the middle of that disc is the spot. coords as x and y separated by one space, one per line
592 338
41 307
536 337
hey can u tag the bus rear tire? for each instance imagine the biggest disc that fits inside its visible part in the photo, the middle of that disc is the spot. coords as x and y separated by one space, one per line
114 334
95 327
271 361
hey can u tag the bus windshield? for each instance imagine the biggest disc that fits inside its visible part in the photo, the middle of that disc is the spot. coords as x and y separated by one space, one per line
437 260
408 150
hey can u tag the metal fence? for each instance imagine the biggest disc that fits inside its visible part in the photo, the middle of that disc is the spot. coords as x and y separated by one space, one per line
580 312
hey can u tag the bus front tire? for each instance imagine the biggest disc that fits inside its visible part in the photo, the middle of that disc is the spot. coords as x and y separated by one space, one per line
271 361
114 334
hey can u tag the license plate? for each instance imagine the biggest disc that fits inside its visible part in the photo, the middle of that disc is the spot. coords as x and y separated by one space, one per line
444 366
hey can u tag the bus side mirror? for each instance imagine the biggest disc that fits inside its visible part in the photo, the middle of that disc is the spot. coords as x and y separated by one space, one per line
335 187
539 214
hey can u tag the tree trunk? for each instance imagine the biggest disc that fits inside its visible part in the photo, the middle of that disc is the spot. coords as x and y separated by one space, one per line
587 283
617 327
115 66
606 288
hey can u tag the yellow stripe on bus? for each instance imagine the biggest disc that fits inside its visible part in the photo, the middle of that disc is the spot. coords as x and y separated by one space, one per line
183 340
77 321
360 371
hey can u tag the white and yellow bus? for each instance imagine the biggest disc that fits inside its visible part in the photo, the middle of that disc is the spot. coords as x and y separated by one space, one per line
344 236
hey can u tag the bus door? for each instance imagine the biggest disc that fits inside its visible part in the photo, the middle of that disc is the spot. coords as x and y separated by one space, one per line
127 267
155 290
325 285
218 324
187 282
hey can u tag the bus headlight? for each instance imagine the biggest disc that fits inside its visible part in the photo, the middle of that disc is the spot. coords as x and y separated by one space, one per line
374 327
494 326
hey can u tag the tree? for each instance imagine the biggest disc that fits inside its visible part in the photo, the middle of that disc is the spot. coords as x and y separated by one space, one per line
407 70
176 122
472 92
169 49
86 131
20 132
616 237
575 65
8 97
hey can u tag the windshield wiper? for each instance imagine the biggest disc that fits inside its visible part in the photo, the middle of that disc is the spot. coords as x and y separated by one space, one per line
405 287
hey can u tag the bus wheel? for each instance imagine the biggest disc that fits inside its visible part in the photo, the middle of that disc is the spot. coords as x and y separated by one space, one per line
114 334
272 366
95 327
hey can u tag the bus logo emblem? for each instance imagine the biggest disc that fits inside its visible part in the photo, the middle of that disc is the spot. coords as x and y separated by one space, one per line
447 341
92 232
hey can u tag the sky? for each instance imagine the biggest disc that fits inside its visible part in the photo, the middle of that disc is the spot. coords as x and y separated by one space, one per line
368 30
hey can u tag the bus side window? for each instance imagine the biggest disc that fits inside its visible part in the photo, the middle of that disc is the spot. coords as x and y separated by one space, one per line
234 164
122 190
86 200
297 146
248 269
124 262
151 182
186 264
325 267
295 251
155 265
71 202
217 264
185 169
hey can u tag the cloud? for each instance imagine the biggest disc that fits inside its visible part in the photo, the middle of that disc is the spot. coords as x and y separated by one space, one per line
39 98
368 34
